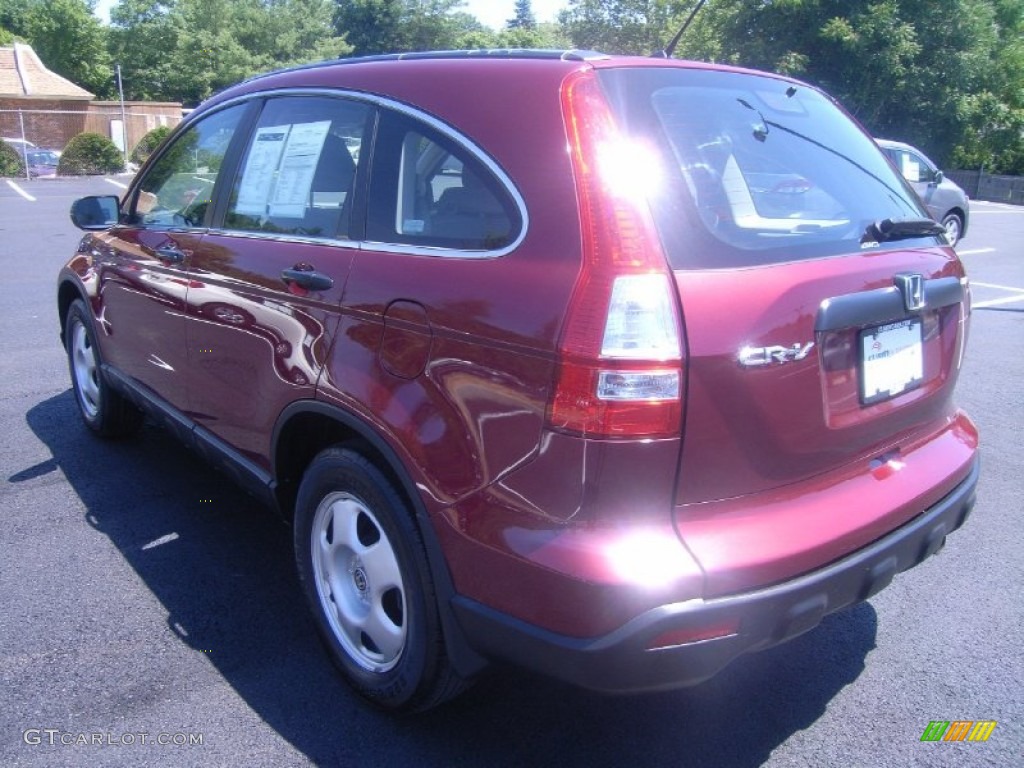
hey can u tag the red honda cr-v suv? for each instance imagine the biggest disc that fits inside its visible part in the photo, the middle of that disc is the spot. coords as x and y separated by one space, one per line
615 368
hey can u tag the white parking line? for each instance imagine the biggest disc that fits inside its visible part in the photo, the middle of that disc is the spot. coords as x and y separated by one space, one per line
997 302
974 251
162 540
1006 206
998 287
116 183
20 191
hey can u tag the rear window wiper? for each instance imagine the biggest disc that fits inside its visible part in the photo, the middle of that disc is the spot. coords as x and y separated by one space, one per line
887 230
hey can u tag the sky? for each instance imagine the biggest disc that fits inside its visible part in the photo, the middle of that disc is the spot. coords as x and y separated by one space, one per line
493 13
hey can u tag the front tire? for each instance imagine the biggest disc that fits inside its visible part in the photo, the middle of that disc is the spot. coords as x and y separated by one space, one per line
954 227
102 409
364 572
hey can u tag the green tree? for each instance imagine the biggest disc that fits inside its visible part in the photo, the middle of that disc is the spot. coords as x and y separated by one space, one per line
69 39
141 35
14 18
639 27
992 119
393 26
524 18
301 31
471 33
540 36
992 137
904 68
946 75
185 50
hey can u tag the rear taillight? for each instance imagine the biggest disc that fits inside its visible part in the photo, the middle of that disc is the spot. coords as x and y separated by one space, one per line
621 360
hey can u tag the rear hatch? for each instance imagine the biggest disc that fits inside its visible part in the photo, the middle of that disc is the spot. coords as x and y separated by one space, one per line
823 315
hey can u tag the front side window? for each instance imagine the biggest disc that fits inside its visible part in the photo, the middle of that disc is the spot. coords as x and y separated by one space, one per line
427 190
298 173
178 188
754 169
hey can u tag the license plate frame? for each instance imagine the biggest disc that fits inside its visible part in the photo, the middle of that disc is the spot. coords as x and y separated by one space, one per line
890 359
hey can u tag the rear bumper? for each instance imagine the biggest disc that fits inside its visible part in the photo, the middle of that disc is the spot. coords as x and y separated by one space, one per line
623 661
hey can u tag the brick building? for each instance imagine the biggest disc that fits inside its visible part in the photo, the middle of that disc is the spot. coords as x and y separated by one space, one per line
48 110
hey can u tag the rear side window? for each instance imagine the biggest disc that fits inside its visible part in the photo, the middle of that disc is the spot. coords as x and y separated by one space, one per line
428 190
752 169
298 172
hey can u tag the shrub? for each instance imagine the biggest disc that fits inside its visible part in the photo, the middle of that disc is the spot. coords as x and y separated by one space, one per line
148 143
90 154
10 161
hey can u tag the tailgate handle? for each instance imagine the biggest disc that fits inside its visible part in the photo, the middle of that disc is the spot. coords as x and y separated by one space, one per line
857 310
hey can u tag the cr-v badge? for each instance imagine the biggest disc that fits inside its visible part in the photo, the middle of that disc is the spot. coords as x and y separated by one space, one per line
754 357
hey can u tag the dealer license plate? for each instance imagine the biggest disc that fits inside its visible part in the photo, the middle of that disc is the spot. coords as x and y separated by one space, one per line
891 360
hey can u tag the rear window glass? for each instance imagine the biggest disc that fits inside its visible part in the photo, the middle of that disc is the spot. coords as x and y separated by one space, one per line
755 170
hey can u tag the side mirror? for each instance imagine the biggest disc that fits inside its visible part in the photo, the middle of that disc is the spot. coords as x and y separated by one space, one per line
96 212
938 177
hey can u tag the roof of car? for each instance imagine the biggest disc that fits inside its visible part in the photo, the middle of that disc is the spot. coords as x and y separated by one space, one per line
477 54
597 59
374 73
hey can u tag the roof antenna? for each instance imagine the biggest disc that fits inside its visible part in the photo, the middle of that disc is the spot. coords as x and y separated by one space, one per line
671 47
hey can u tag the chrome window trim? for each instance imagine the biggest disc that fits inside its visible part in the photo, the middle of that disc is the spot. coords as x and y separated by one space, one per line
280 237
434 251
438 125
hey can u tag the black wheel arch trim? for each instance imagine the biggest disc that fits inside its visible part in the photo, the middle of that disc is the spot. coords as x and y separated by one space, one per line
465 660
68 280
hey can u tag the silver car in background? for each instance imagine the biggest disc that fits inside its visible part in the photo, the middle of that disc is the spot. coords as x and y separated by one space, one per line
945 200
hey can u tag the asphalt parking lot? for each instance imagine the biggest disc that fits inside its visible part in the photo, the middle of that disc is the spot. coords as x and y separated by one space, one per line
149 613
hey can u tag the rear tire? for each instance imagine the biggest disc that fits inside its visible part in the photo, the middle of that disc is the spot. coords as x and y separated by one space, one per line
103 410
364 571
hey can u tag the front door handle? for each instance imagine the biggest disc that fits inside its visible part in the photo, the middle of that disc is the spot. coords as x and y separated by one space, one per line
170 254
309 279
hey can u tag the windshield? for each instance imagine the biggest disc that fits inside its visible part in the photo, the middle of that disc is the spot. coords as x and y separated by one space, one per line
43 157
759 170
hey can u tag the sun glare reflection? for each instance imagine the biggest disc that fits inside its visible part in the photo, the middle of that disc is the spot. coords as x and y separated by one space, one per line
648 558
630 169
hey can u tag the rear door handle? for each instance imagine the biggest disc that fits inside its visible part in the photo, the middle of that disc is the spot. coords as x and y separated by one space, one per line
309 279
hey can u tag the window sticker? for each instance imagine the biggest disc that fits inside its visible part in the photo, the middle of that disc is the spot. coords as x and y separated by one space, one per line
911 168
279 170
260 169
298 165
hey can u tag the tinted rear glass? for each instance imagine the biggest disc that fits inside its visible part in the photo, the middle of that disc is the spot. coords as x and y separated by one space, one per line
754 170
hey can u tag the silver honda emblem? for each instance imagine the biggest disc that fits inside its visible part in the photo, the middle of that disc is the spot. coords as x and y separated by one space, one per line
912 288
359 579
